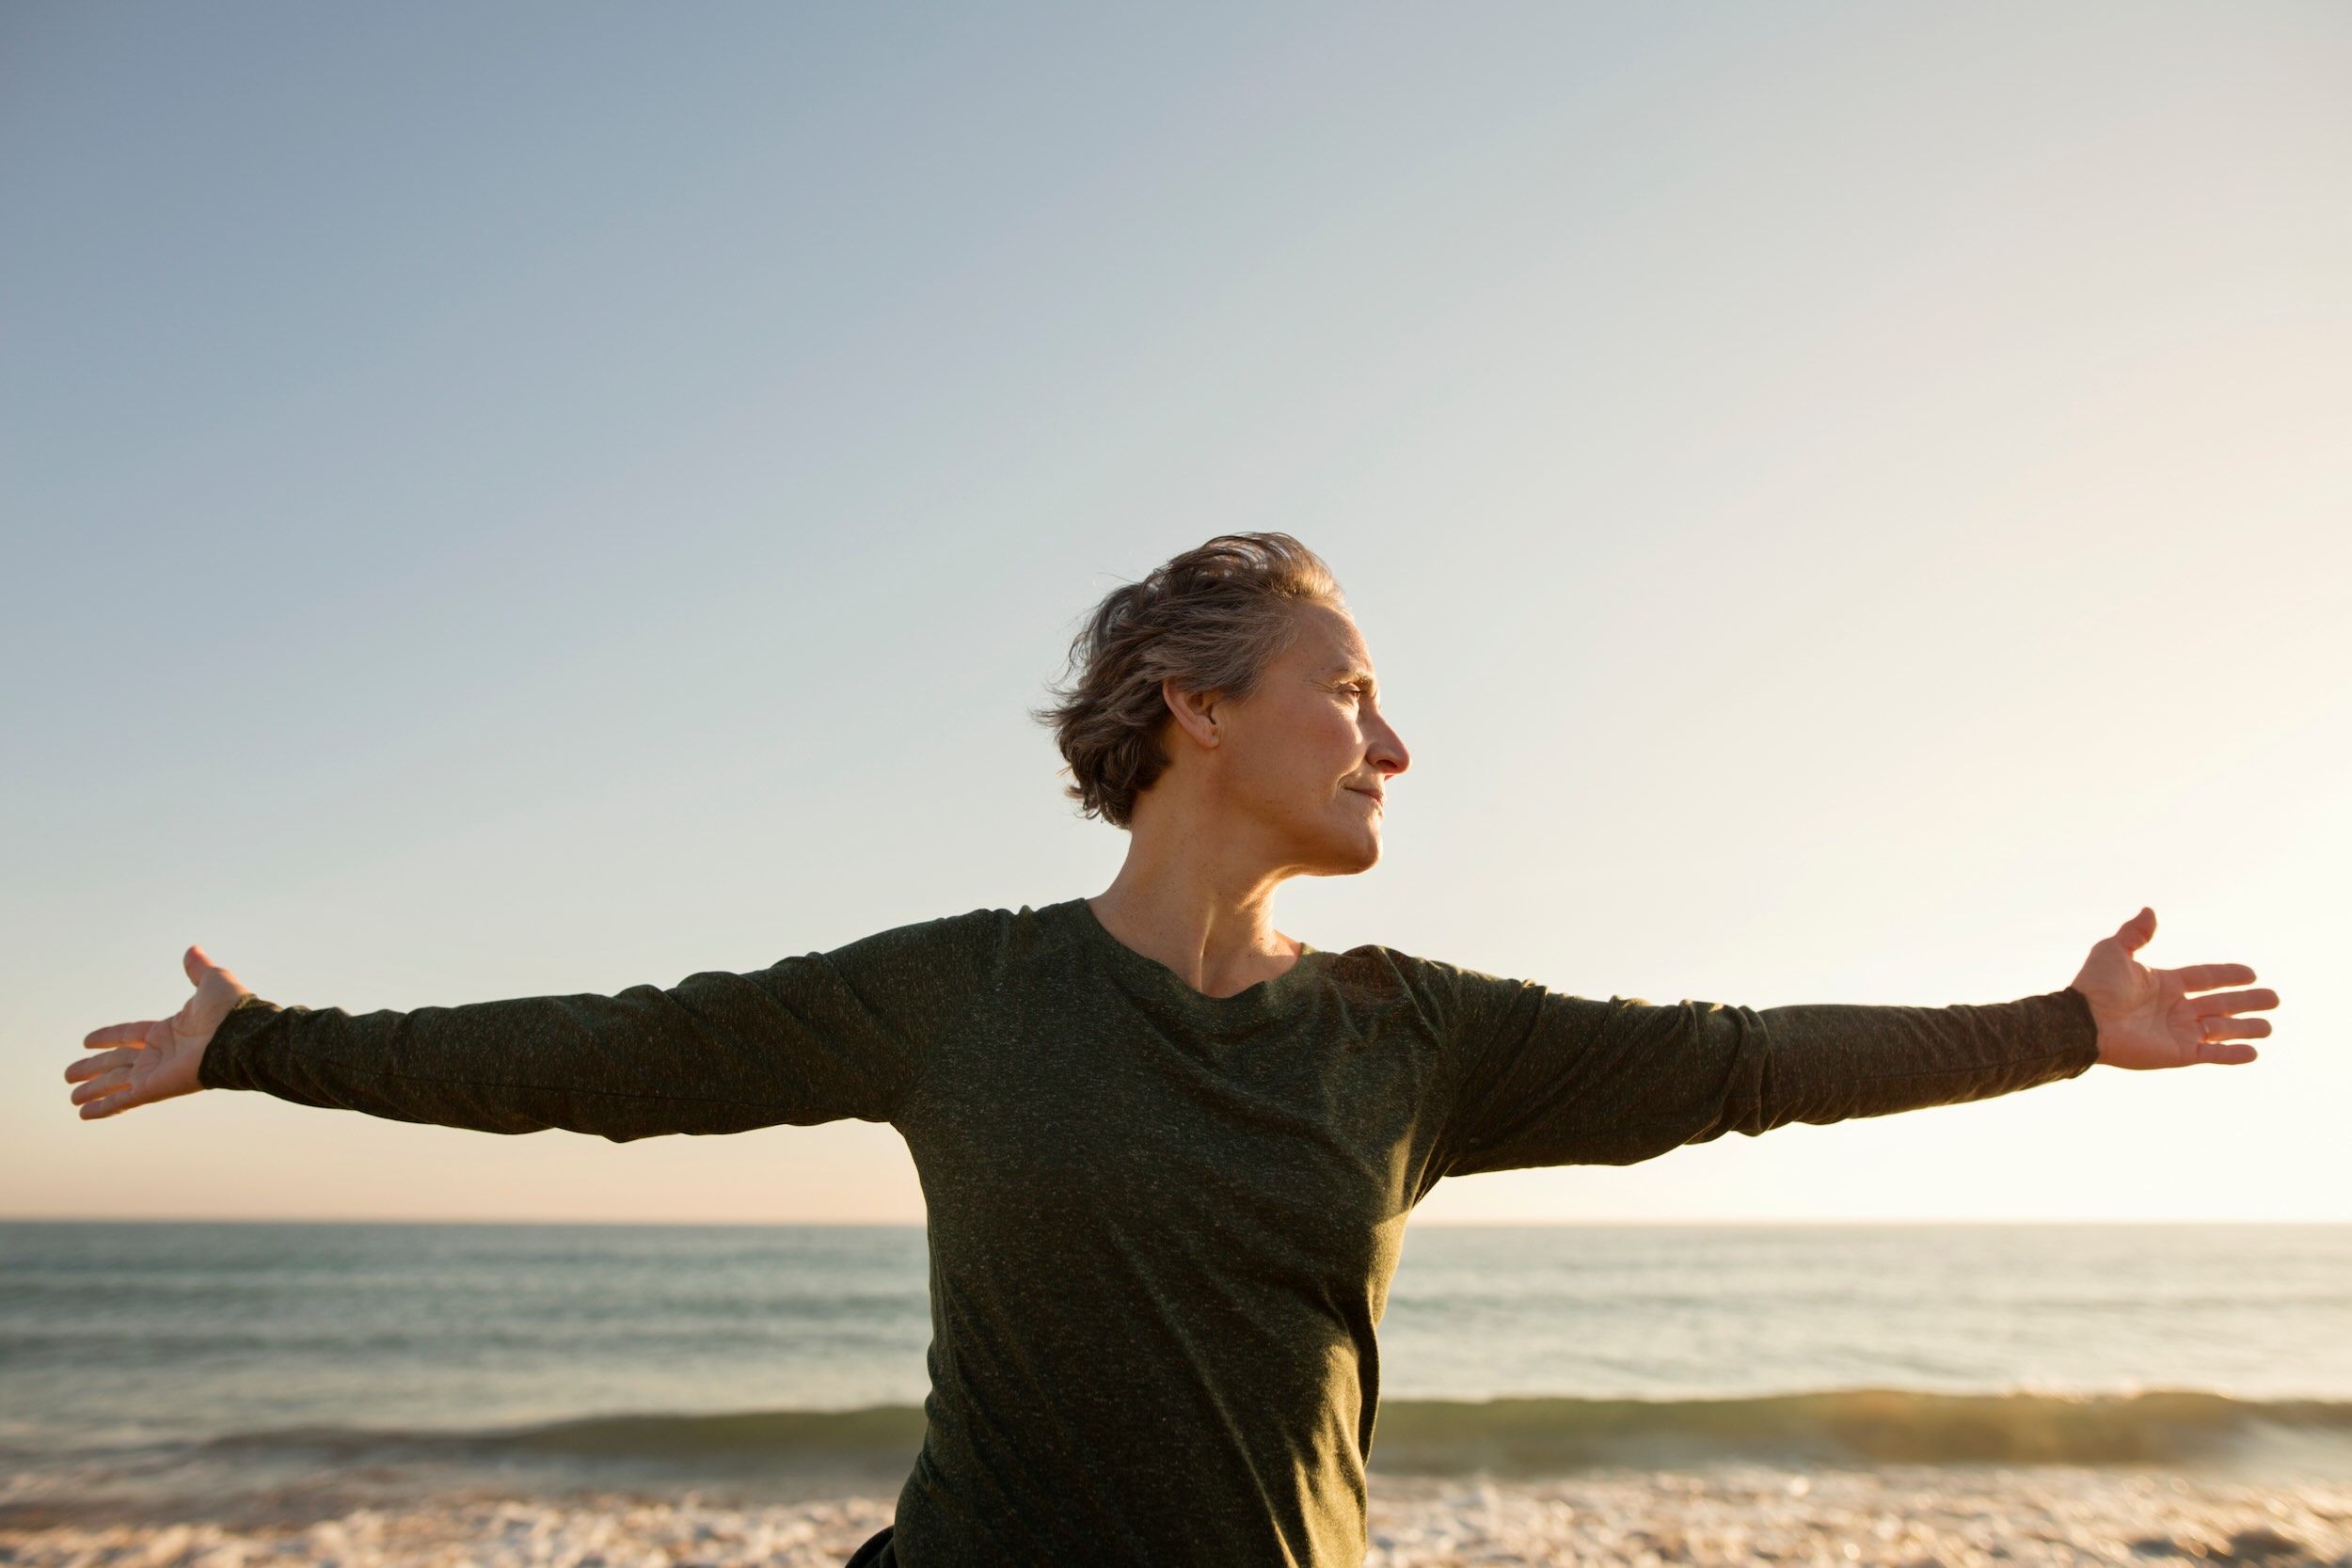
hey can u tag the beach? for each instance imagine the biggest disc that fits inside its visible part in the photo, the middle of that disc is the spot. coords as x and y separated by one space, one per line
1896 1516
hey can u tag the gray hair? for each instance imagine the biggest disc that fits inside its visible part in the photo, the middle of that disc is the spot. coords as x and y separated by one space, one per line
1211 620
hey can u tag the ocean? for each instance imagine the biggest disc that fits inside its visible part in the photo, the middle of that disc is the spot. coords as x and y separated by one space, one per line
155 1361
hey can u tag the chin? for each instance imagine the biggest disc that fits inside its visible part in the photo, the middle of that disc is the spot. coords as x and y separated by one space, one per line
1349 859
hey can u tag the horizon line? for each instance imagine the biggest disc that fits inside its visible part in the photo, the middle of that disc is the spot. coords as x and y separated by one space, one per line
1594 1224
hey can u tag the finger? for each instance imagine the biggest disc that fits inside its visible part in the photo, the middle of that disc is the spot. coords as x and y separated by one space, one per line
2233 1002
90 1066
120 1034
102 1085
2133 933
113 1105
2235 1028
2206 977
2226 1052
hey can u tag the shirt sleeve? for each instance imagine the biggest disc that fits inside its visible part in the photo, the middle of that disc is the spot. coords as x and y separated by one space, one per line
1547 1078
817 1038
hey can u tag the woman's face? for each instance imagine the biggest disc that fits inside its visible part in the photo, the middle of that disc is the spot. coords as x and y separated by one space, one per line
1307 755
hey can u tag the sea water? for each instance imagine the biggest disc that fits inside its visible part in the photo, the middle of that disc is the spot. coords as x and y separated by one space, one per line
178 1354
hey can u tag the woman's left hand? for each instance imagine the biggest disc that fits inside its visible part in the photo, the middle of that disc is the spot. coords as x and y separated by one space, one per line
2146 1017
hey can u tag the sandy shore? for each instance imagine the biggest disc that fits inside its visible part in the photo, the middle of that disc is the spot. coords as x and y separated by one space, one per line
1902 1517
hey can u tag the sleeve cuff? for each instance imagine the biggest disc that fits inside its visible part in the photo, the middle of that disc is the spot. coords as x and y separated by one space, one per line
2073 1029
223 1064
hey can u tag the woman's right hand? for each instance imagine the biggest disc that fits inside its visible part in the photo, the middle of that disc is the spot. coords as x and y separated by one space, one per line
154 1058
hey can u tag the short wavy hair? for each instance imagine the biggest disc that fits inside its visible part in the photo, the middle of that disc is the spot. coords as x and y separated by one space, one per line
1211 619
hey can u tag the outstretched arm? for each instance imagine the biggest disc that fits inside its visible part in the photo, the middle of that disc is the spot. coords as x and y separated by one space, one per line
1543 1078
815 1037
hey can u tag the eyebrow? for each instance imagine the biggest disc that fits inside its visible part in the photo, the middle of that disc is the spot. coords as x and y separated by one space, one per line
1354 671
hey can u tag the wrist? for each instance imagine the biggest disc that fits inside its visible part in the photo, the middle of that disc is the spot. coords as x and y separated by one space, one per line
2101 1030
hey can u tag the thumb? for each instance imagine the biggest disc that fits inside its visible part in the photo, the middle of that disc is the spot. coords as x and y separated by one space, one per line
2133 933
216 992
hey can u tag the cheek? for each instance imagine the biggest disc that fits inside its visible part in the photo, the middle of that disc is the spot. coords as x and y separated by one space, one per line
1317 750
1335 754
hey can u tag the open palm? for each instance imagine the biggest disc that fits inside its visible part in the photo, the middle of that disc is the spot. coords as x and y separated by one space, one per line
2146 1017
153 1059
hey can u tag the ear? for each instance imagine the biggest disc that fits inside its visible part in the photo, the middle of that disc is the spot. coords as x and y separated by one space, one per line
1194 712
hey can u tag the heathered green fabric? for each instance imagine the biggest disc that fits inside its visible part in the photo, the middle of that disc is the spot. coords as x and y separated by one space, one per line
1161 1224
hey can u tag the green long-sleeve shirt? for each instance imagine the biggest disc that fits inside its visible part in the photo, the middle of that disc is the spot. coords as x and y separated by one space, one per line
1162 1225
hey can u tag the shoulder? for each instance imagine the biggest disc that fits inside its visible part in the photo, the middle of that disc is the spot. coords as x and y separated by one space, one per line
1375 963
1454 1001
1472 1010
957 942
990 936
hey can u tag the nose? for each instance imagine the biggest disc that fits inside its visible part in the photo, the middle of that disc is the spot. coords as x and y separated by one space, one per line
1387 751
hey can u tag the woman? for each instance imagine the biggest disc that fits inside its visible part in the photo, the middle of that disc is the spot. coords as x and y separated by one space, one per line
1167 1150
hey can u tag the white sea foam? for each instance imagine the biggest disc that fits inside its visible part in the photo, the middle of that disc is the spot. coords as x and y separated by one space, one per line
1900 1518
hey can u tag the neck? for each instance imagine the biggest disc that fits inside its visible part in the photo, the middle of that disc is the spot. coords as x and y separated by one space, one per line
1211 922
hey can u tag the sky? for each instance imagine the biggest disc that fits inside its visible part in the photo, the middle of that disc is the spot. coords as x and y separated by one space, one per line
1847 504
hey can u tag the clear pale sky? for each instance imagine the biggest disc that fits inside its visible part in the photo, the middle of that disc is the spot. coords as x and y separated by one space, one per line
1847 503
